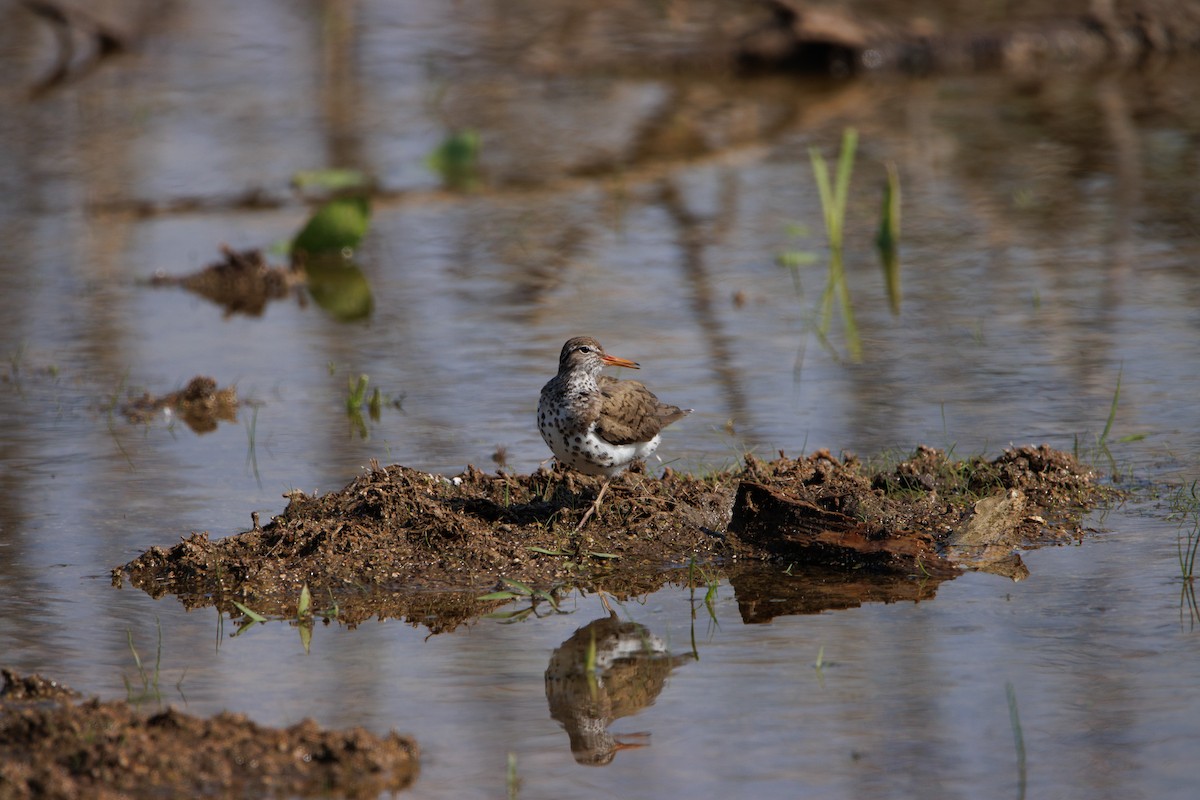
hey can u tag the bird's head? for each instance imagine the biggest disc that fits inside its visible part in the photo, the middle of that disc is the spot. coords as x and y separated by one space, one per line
585 353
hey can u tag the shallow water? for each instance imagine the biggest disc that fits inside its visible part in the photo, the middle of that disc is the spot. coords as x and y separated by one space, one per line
1049 250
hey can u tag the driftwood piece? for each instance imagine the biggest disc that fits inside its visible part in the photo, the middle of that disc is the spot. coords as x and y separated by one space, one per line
766 592
795 528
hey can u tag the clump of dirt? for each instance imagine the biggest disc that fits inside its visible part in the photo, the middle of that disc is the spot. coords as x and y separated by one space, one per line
32 687
382 545
52 747
201 405
243 283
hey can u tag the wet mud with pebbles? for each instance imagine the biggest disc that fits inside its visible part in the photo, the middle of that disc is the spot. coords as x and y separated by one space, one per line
55 745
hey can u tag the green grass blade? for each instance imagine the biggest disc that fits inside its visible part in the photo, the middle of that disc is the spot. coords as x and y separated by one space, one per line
821 175
305 602
1112 409
517 586
844 169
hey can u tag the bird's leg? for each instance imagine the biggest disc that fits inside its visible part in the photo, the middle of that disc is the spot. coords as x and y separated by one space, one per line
595 505
612 612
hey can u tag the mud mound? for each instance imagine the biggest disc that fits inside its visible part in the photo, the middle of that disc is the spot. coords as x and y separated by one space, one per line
55 748
201 405
397 542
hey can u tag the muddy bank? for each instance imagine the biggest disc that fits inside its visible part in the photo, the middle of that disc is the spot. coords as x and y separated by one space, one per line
819 37
53 746
397 542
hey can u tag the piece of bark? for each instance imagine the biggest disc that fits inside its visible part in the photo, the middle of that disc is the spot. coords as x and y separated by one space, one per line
794 528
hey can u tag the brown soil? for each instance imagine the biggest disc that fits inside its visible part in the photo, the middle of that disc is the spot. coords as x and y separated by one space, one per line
397 542
201 405
53 747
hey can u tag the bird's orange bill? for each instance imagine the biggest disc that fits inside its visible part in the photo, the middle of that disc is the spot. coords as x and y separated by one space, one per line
623 741
613 361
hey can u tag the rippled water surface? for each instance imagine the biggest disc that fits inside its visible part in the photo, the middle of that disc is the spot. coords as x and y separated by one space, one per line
1049 252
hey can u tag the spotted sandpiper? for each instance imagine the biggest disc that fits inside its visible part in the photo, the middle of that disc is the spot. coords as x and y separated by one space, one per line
596 424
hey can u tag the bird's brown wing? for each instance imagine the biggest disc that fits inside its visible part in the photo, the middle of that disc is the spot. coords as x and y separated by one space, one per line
630 413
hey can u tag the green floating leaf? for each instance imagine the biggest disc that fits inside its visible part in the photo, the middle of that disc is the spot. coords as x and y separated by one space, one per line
339 287
338 225
331 180
456 160
253 616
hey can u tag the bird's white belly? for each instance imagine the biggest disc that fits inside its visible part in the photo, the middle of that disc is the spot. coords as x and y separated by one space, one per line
588 453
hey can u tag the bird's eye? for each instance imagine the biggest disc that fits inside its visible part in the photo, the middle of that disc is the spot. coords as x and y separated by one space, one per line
585 348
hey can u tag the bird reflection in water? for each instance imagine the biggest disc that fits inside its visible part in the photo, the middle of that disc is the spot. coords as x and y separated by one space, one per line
608 669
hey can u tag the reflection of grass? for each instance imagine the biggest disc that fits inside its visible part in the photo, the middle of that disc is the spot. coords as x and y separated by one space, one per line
512 779
354 404
888 238
833 206
516 590
148 680
357 399
697 577
1018 739
1112 410
1186 505
834 193
1101 446
251 450
303 619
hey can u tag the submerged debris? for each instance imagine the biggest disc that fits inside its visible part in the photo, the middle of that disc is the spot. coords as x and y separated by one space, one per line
380 545
243 283
53 747
200 404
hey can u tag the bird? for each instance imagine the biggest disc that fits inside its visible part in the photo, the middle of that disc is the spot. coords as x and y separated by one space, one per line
596 424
